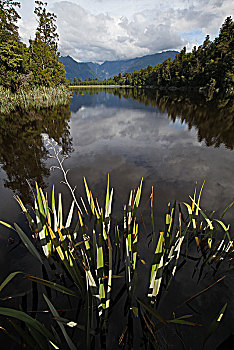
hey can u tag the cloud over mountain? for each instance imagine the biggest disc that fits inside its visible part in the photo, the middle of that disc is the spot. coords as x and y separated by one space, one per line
90 37
118 29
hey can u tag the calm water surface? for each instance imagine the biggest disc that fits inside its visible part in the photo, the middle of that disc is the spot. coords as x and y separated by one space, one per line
172 141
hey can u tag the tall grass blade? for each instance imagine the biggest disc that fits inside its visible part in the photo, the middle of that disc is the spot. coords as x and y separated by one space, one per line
22 316
28 244
54 286
9 278
152 311
55 314
70 215
213 326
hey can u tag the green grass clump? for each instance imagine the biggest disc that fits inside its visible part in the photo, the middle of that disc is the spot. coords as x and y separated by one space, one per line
95 264
37 98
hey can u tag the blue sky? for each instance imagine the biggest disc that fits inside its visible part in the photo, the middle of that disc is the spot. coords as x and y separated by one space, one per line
119 29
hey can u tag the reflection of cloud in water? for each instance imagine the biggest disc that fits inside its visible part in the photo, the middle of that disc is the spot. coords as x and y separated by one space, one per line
178 124
135 143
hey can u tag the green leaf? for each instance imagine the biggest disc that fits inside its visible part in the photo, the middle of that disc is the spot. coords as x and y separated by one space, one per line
107 194
138 194
199 198
22 316
53 285
214 325
7 225
28 244
55 314
60 212
225 210
186 323
157 255
10 335
39 339
152 311
69 218
9 278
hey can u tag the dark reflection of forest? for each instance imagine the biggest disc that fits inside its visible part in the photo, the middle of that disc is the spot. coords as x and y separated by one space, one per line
214 120
22 150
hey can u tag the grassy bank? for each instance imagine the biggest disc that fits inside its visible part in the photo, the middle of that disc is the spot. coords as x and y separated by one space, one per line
37 98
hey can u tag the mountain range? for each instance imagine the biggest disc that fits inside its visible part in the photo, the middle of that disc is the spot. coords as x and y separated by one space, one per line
109 69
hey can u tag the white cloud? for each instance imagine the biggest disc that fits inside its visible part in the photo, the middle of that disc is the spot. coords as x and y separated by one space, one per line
118 29
108 37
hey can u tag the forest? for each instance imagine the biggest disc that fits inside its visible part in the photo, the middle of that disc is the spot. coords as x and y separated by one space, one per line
208 68
36 65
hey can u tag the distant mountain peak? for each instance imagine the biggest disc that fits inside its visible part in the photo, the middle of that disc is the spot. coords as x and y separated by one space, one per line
109 69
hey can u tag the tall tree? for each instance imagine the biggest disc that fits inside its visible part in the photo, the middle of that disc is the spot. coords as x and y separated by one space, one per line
46 28
13 53
8 19
45 64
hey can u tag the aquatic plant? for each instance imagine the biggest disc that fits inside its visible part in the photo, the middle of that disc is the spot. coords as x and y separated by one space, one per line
37 98
95 263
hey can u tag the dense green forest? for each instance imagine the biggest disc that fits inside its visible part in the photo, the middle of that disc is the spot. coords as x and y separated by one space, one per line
22 66
208 68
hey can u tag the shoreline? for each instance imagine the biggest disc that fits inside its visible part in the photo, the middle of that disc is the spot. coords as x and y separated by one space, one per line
198 89
99 86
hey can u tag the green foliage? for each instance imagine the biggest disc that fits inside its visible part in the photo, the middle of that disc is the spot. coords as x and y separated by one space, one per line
208 68
13 53
38 64
46 29
8 19
45 66
36 98
84 261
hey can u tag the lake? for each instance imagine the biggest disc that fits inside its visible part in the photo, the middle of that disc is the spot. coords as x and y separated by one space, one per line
171 140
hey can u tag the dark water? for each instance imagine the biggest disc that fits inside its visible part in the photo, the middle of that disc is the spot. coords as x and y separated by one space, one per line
171 140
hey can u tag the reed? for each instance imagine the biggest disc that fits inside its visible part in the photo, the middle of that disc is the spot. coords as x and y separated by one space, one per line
84 261
36 98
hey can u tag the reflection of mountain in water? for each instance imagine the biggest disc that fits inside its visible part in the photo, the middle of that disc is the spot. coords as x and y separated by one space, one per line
22 150
213 120
105 96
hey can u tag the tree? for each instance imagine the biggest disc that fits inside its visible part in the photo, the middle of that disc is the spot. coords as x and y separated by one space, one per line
14 69
45 64
209 67
46 28
225 51
8 19
13 53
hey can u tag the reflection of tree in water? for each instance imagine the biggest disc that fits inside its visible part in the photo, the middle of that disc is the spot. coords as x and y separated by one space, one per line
214 120
22 150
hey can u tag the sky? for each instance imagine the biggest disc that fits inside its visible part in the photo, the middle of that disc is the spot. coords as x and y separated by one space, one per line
100 30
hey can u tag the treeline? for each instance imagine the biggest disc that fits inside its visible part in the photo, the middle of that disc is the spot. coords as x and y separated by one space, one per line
91 81
35 65
210 67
